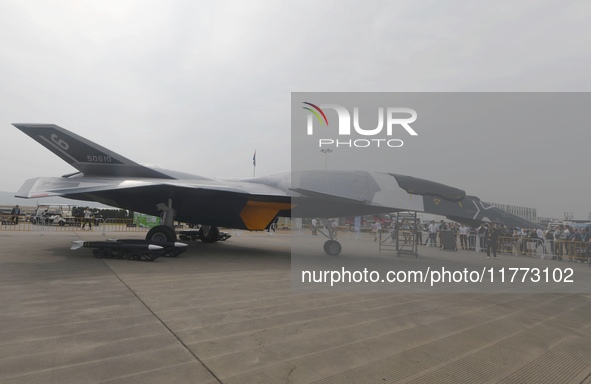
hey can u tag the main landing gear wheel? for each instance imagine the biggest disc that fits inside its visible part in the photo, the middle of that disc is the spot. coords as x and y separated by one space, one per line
332 247
209 236
161 233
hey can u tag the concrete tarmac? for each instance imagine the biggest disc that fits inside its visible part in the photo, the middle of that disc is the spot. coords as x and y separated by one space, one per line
226 313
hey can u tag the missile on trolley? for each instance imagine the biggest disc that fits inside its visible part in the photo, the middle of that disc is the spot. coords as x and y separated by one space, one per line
117 245
164 244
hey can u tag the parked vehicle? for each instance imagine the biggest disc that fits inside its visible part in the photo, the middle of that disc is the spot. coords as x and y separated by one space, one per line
55 214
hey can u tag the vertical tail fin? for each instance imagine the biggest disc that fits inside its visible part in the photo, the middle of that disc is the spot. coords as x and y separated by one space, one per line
84 155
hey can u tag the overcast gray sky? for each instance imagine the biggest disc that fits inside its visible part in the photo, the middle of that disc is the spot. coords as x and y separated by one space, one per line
197 86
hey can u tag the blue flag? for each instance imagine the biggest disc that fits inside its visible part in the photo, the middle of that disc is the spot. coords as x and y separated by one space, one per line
254 158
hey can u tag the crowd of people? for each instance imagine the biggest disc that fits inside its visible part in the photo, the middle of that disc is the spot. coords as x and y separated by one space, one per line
568 241
564 241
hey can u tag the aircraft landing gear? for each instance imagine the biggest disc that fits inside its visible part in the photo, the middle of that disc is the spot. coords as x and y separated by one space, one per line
332 247
205 234
167 233
164 233
209 234
161 233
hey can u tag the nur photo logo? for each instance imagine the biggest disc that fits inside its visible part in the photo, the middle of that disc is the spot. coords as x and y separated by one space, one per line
391 118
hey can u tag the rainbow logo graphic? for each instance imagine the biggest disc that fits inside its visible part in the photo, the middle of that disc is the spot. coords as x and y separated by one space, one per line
316 112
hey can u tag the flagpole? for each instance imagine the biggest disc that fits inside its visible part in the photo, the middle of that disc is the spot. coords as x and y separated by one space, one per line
254 163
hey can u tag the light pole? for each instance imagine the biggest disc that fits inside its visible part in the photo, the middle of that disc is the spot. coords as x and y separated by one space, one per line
326 152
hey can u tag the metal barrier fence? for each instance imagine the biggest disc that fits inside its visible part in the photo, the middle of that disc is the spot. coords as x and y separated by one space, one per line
505 244
512 245
557 249
108 225
522 246
9 222
570 250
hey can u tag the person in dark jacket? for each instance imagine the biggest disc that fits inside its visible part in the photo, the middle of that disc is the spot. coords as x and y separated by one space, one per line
16 211
492 238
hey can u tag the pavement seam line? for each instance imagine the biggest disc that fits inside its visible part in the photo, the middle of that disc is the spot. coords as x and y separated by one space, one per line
260 368
164 324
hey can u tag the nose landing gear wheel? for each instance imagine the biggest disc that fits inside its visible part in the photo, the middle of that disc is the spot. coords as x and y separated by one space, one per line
332 247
